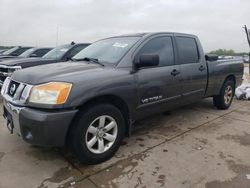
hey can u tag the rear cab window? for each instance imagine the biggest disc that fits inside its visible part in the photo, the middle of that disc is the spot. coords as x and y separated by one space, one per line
187 50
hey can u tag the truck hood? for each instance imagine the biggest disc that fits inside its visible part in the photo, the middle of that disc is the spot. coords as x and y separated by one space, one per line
25 62
63 71
6 56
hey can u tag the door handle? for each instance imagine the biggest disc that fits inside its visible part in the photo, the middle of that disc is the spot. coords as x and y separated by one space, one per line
202 68
175 72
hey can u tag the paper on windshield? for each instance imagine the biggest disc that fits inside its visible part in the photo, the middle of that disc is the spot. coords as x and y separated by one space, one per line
120 45
64 50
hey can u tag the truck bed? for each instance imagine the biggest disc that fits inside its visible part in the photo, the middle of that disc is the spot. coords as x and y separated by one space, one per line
217 70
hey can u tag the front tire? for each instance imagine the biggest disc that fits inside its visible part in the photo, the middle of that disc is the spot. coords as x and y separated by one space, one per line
98 133
225 98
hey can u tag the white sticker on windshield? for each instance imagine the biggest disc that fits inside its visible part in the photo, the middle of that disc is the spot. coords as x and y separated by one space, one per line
120 45
64 50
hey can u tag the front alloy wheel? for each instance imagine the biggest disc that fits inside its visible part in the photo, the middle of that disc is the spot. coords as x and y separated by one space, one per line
101 134
97 133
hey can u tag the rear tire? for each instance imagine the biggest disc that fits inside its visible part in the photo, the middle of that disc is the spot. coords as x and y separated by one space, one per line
225 98
98 133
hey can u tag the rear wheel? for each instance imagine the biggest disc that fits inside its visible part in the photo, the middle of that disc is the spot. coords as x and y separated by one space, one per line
98 133
225 98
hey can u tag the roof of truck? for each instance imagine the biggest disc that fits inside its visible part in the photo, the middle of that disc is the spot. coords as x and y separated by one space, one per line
152 33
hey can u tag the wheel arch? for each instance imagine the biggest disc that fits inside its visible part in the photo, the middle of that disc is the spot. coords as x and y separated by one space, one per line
105 99
230 77
219 100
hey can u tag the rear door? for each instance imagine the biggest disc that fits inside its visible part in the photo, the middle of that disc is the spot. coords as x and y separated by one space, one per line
159 87
193 69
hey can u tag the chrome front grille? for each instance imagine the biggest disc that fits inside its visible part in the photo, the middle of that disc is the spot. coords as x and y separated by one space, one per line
12 88
15 92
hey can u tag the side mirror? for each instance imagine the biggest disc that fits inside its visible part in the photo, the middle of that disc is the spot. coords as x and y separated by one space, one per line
147 60
211 57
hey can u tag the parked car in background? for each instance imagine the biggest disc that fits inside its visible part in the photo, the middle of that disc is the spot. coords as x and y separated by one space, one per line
58 54
32 52
15 51
92 102
246 59
2 50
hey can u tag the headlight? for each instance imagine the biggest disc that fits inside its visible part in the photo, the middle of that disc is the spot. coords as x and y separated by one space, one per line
50 93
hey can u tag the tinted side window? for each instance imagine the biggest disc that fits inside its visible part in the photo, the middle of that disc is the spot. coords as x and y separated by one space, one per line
76 50
187 50
41 52
161 46
19 51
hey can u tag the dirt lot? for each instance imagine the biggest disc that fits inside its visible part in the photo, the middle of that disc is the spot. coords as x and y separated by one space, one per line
195 146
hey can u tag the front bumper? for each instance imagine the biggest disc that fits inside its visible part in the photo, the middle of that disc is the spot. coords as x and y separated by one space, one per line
40 127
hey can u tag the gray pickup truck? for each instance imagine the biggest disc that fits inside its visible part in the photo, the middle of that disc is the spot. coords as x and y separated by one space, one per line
92 102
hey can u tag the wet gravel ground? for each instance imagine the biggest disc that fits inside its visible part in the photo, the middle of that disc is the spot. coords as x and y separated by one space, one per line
194 146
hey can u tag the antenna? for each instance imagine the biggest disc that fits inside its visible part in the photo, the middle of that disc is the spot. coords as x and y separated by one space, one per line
247 33
57 34
248 40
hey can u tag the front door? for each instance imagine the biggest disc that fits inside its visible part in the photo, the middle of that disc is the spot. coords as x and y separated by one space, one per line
159 88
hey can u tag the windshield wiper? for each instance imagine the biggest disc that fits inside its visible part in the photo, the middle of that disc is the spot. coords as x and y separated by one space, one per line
89 59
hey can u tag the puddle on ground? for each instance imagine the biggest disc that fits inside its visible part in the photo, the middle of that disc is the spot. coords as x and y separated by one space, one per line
126 168
62 176
240 180
161 180
243 140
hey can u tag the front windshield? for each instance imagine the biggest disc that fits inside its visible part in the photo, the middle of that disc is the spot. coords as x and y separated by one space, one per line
58 52
108 50
8 52
27 52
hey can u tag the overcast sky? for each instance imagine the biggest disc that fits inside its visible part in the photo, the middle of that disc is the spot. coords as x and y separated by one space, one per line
218 23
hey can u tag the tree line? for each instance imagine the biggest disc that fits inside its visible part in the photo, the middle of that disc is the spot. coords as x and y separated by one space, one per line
226 52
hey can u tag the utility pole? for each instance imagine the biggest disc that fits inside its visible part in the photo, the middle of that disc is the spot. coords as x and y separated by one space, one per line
248 40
